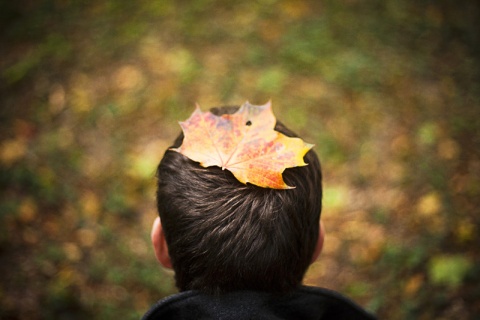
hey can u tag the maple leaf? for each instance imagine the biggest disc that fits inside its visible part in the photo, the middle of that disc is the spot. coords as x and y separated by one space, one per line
245 143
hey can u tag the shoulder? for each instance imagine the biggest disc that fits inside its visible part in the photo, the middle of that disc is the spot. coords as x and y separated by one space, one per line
304 303
171 306
333 304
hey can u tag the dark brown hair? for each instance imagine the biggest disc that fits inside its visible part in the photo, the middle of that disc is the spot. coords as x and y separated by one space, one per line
223 235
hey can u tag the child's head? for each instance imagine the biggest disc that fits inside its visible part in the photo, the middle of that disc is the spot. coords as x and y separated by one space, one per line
223 235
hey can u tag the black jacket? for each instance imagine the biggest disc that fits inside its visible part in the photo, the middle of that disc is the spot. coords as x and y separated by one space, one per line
304 303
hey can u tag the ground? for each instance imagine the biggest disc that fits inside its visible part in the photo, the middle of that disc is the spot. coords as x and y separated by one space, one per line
91 95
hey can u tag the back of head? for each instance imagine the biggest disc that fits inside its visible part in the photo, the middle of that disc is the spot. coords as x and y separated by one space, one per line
223 235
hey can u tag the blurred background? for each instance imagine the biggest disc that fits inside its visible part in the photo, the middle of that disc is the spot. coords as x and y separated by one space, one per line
91 93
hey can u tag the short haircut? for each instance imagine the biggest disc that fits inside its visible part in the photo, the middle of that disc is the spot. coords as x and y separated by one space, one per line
224 235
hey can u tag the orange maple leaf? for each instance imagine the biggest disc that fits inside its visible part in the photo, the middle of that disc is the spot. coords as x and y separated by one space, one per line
245 143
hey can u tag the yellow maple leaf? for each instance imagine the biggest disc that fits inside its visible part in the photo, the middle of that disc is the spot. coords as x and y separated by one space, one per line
245 143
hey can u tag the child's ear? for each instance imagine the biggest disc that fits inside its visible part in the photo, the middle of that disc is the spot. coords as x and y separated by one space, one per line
319 246
160 244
